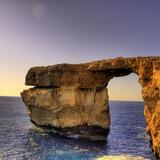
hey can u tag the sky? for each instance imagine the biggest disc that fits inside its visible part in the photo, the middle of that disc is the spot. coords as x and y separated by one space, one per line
46 32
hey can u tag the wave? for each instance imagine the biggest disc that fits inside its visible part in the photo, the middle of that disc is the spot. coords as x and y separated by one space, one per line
122 157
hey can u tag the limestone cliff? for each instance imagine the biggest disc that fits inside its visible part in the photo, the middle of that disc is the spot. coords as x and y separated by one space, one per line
77 112
72 99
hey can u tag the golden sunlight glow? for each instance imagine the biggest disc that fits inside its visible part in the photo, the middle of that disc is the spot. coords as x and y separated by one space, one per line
11 86
125 88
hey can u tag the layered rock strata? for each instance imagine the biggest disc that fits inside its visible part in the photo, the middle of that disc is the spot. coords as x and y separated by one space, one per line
70 111
72 99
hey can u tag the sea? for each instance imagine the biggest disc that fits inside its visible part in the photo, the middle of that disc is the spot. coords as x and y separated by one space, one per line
21 140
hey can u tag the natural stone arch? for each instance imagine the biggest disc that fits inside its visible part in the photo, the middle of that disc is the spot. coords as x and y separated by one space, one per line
71 99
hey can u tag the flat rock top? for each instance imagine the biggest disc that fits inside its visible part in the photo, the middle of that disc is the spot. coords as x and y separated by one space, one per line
88 75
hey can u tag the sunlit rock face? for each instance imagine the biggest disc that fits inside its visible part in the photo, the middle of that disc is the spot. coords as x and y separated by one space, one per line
70 111
72 99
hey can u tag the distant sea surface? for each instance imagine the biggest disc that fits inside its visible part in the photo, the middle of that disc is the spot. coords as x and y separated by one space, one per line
20 140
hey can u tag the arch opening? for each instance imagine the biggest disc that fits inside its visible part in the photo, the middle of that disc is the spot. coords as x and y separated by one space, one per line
128 124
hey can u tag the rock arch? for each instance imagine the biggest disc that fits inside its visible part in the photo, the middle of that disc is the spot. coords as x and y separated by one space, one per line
72 99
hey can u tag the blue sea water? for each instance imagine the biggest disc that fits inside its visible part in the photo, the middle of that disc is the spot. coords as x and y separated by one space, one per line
21 140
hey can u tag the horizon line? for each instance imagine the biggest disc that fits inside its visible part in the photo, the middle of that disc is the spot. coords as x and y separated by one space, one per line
109 99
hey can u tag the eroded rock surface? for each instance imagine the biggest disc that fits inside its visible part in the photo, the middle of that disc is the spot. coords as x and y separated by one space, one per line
72 99
70 111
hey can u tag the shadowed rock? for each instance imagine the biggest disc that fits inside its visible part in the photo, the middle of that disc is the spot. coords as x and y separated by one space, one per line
73 98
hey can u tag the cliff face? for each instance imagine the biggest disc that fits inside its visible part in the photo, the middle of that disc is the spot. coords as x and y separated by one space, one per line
70 111
72 99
